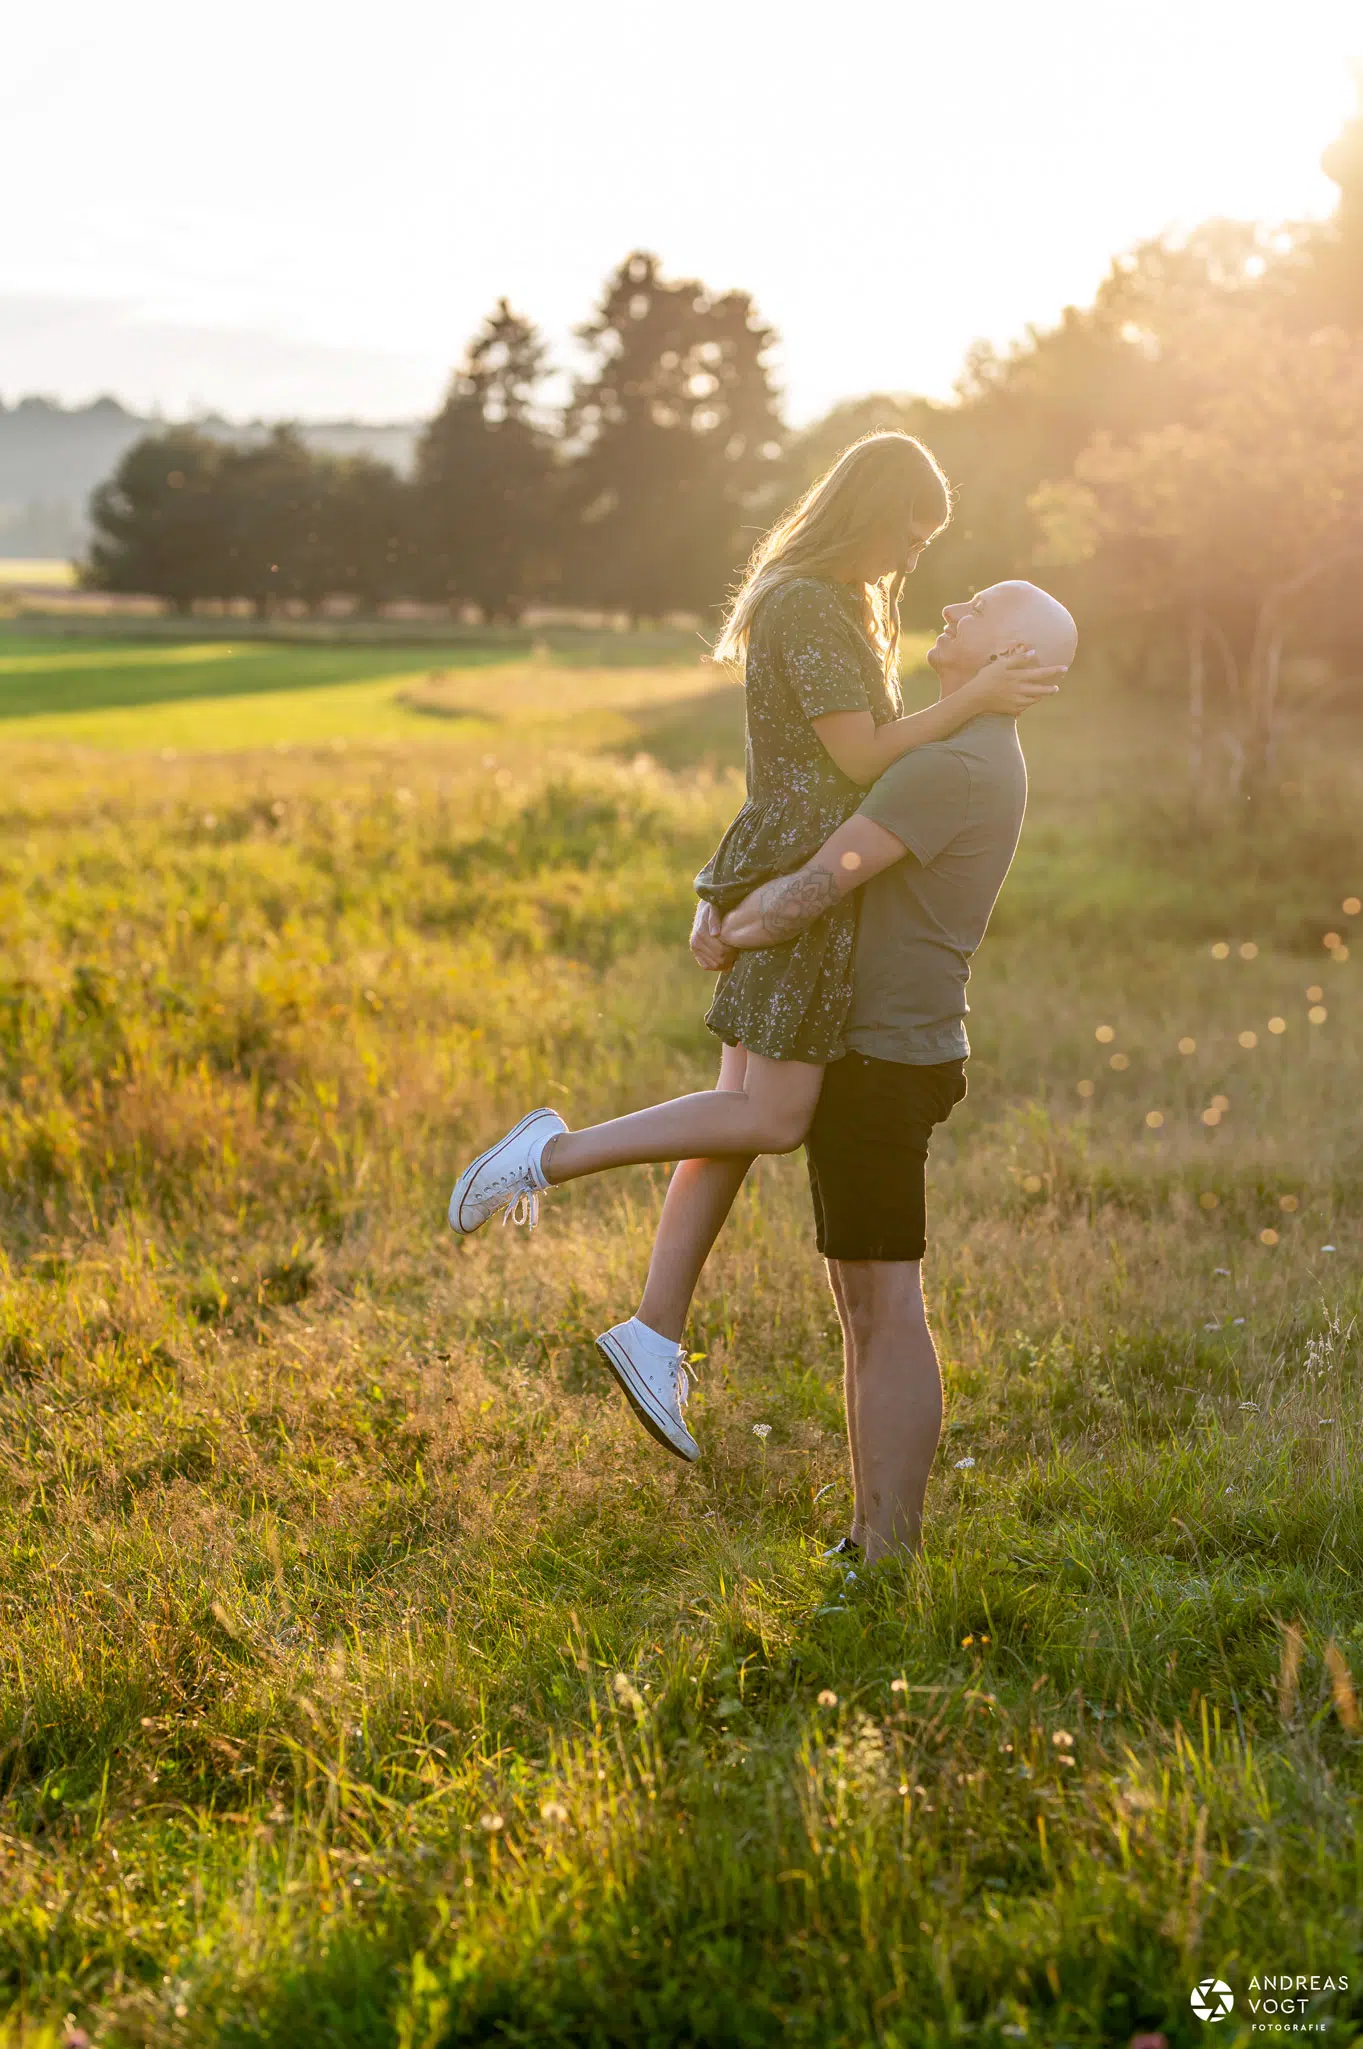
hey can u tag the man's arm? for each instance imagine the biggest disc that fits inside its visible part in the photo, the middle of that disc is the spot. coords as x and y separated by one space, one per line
782 909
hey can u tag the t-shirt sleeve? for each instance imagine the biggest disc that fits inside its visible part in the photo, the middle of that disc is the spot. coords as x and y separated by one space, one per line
923 799
817 651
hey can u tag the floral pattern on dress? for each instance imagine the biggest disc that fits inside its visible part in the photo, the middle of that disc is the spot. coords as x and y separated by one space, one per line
808 655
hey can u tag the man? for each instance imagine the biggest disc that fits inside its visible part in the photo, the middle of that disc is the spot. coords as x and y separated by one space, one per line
930 847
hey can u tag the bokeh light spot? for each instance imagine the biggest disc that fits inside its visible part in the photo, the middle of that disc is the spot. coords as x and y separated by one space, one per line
1120 1062
1249 951
1277 1025
1220 951
1207 1200
1211 1116
1314 993
1154 1118
1288 1203
1351 906
1220 1102
1105 1035
1032 1183
1186 1045
1249 1040
1331 941
1268 1237
1086 1089
1317 1013
1339 953
850 860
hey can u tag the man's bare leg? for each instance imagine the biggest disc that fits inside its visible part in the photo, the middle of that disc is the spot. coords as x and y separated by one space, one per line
857 1532
898 1403
699 1197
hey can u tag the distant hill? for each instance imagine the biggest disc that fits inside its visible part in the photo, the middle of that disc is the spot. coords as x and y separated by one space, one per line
52 457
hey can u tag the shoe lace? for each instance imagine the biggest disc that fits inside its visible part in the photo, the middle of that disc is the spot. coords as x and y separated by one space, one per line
523 1209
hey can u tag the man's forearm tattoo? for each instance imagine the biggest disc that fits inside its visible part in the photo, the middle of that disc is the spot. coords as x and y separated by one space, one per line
787 906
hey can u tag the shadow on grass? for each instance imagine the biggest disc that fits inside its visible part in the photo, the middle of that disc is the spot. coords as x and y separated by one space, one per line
705 730
48 677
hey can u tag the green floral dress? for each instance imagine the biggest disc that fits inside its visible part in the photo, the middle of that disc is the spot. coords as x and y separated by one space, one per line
808 654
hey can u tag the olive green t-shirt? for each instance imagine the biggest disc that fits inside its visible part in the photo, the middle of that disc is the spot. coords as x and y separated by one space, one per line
957 805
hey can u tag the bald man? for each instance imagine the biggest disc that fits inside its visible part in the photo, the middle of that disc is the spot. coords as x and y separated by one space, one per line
930 848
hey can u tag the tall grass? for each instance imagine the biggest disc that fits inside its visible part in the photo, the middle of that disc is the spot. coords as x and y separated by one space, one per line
367 1677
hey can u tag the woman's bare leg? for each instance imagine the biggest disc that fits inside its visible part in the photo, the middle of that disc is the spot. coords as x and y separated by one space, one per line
699 1197
769 1114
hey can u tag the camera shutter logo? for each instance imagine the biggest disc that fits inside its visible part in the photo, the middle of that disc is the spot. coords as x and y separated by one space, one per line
1212 2000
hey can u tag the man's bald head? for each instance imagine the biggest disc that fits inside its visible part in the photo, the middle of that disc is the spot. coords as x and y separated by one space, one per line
1006 615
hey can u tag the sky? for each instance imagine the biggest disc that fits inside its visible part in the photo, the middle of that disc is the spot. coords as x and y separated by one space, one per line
294 209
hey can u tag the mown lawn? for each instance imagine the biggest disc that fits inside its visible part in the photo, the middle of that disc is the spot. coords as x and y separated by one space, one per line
367 1677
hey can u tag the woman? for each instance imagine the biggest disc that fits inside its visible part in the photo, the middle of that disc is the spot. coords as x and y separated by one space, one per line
815 626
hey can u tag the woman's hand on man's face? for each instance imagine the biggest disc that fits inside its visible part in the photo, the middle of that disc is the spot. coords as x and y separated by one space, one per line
707 948
1012 681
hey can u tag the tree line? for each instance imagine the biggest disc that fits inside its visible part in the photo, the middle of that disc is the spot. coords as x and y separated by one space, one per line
636 493
1182 459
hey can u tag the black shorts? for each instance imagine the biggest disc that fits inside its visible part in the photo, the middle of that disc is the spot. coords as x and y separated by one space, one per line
867 1152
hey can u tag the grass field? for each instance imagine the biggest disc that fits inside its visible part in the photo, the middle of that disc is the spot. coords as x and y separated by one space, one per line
368 1677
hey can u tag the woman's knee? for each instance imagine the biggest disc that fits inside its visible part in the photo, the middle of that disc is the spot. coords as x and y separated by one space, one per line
782 1127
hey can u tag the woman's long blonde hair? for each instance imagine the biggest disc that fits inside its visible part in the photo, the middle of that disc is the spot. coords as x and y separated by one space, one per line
881 483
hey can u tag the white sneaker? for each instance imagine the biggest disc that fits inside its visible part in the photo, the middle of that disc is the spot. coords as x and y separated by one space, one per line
506 1177
654 1381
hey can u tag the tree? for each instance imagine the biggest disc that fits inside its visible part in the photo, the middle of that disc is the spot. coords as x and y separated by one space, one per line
158 521
484 474
368 534
675 433
273 500
1230 520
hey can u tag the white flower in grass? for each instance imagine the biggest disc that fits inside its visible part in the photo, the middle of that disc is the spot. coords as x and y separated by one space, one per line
554 1812
962 1464
828 1698
761 1430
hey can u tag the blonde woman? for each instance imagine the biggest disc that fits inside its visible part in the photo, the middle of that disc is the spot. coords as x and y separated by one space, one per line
815 626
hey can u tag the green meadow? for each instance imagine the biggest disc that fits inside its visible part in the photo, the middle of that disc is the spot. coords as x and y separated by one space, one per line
367 1677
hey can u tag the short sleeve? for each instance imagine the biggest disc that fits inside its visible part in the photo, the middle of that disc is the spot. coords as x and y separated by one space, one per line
816 648
923 799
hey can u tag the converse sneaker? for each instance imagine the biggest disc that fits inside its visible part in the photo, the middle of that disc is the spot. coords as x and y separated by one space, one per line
506 1177
652 1371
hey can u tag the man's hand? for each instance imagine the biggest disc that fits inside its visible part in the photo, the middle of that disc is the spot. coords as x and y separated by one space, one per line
783 909
707 948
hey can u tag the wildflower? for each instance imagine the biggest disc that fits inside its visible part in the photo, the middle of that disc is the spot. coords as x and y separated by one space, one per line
553 1811
1329 1248
963 1463
1237 1319
761 1430
966 1642
828 1698
1222 1272
491 1822
899 1686
902 1791
1063 1740
626 1692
